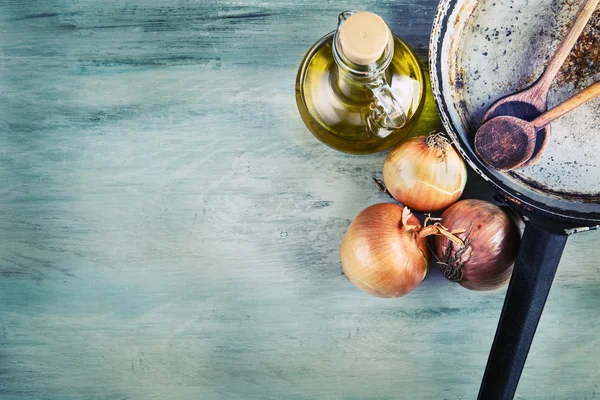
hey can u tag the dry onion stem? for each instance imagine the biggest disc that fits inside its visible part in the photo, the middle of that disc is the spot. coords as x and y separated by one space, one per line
450 264
438 229
440 142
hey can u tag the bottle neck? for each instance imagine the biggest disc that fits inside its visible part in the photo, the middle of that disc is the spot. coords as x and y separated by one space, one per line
352 80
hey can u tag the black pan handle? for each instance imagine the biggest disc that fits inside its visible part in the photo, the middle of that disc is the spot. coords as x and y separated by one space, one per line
530 283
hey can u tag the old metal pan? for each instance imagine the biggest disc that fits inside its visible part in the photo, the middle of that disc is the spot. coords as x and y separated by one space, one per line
480 51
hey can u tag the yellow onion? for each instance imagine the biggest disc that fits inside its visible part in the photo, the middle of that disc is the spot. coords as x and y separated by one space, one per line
384 251
491 241
425 173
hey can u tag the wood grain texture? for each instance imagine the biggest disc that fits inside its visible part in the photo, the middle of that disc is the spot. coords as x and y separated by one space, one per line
169 229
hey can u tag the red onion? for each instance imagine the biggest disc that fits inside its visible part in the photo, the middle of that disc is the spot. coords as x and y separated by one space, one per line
491 241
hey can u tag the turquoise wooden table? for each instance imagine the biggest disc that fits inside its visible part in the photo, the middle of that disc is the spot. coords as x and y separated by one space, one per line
169 229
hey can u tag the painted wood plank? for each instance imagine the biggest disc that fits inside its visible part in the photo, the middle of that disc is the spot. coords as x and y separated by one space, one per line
169 229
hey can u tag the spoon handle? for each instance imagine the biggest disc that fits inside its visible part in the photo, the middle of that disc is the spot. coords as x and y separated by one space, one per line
587 94
565 46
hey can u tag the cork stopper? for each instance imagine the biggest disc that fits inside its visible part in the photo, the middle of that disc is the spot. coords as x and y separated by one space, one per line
363 37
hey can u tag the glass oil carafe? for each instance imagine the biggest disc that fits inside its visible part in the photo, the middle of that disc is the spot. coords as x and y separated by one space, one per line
360 89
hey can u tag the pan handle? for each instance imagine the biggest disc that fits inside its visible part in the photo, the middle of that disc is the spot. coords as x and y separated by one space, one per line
530 283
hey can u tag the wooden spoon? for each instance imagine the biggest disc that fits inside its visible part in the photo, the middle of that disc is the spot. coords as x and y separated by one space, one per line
506 142
531 102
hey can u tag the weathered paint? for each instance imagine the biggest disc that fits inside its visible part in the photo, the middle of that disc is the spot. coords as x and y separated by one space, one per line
169 228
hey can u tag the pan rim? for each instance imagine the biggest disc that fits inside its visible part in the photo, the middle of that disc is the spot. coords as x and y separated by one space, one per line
521 201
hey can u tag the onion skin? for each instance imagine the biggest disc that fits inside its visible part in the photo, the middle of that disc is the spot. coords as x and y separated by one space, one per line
380 255
492 240
424 174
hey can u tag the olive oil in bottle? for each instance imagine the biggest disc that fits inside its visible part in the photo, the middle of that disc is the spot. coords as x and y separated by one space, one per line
360 89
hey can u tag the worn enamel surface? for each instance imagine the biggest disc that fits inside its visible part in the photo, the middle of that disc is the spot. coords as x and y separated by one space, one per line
494 48
169 229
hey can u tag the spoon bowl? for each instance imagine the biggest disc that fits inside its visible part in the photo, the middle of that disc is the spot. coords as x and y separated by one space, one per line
505 142
526 105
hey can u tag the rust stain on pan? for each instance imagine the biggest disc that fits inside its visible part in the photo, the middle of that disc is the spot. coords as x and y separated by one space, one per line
584 60
458 84
570 195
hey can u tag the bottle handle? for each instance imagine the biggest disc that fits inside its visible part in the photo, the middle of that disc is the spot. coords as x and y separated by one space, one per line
388 113
344 15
